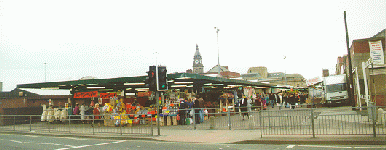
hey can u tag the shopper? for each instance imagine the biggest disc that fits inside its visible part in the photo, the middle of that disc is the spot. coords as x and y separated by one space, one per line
197 111
82 113
244 110
272 99
96 113
182 112
292 101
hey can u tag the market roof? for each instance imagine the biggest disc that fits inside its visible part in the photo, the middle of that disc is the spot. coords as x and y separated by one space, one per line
176 80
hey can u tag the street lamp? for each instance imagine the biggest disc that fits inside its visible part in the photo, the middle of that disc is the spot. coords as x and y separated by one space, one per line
218 51
45 72
285 72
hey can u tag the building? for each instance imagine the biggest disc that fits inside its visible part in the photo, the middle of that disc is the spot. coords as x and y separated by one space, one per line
276 78
224 72
375 73
1 86
255 73
198 67
29 102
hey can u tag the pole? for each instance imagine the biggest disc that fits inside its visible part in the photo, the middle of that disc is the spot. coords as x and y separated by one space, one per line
45 72
218 51
157 106
351 92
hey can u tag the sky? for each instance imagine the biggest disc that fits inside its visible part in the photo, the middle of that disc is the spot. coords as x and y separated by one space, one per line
109 39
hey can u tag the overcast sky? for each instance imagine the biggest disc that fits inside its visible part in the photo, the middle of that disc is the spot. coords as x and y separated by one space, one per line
108 39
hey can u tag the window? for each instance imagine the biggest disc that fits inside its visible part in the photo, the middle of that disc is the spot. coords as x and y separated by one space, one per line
336 88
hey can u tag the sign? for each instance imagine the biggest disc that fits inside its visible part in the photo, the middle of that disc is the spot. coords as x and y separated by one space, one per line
107 95
376 52
86 94
66 105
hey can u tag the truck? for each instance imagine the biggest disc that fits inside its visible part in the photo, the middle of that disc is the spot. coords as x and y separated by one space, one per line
335 89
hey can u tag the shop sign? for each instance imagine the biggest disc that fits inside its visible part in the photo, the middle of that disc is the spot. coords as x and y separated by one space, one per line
86 94
107 95
376 52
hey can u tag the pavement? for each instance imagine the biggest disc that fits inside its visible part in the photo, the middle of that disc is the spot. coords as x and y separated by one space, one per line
253 136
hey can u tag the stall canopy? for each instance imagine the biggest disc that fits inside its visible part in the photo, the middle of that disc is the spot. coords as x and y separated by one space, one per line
175 81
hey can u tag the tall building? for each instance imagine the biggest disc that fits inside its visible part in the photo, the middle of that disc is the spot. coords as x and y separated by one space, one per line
198 67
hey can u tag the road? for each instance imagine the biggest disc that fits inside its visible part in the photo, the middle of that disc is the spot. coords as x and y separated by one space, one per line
39 142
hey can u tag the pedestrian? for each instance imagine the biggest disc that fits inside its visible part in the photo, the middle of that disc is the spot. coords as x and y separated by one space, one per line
182 112
82 112
76 112
249 105
292 101
96 113
244 110
272 100
197 111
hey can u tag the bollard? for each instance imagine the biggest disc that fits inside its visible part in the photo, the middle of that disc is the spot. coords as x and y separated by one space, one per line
194 118
30 123
313 122
211 120
229 119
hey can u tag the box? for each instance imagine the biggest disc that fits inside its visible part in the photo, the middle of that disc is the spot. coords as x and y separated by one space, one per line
174 120
168 121
109 123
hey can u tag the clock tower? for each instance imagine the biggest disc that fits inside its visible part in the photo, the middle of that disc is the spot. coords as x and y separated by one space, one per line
198 67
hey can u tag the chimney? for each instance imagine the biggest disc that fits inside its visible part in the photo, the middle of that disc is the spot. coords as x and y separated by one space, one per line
326 73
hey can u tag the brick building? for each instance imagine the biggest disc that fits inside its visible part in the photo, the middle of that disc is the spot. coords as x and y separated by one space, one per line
375 74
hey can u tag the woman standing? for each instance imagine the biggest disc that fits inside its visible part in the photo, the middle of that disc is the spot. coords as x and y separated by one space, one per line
96 113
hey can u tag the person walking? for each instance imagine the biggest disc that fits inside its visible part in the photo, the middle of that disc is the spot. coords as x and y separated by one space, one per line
272 100
82 113
244 110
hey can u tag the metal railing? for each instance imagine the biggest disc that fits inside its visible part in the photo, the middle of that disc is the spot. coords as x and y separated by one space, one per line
301 121
108 123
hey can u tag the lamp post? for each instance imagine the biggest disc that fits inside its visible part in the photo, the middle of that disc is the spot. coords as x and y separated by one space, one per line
218 52
45 72
285 73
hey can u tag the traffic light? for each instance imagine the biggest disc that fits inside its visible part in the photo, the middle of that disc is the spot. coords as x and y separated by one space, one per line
162 78
151 80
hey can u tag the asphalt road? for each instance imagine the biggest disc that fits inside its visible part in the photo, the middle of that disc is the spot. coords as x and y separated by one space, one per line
38 142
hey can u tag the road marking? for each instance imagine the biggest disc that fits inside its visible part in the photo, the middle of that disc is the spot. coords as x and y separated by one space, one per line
81 146
16 141
317 146
101 144
71 138
119 141
31 135
62 148
291 146
48 143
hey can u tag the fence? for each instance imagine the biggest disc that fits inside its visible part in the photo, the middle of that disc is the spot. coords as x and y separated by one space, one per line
74 124
304 121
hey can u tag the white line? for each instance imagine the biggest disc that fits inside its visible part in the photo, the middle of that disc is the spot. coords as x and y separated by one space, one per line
291 146
370 147
119 141
15 141
62 148
323 146
102 144
31 135
81 146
